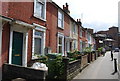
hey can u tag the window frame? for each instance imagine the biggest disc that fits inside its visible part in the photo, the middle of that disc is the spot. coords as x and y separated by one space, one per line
44 10
74 28
81 32
38 37
42 29
74 44
62 36
62 24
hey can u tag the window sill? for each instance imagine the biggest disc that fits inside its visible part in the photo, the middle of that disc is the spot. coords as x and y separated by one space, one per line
61 28
38 17
80 36
34 57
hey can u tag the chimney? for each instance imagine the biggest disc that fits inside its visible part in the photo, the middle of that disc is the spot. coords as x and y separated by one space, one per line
66 8
79 22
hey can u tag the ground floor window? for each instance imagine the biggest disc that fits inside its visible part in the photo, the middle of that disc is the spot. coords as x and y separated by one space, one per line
74 44
39 34
81 49
60 43
67 46
38 41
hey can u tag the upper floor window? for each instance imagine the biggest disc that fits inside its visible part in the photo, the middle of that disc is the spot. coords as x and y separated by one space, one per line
74 28
88 37
40 9
75 44
60 19
81 48
81 32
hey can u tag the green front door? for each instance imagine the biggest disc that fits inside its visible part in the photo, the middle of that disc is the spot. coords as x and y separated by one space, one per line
17 48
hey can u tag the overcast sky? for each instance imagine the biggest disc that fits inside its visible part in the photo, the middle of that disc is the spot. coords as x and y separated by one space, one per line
96 14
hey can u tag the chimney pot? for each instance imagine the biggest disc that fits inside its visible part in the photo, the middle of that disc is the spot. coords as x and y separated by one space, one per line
63 7
77 20
66 6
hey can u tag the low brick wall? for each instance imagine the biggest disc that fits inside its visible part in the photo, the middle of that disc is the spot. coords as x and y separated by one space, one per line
93 56
71 68
84 61
10 72
89 57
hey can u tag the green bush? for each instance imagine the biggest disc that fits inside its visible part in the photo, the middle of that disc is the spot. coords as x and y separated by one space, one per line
75 54
87 50
100 49
42 59
55 66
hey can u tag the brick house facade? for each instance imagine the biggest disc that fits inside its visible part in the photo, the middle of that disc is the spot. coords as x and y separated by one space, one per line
35 30
15 22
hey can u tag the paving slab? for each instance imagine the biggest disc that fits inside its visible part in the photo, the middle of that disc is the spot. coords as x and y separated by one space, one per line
102 68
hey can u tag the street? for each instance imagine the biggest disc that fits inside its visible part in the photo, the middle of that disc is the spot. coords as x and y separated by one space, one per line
102 68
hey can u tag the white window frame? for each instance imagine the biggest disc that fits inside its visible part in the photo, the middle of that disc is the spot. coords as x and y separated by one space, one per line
44 10
61 35
81 32
81 49
74 28
62 25
41 29
67 46
74 44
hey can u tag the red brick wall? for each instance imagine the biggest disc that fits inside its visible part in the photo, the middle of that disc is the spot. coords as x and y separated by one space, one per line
5 42
51 39
4 8
29 55
23 11
52 26
66 25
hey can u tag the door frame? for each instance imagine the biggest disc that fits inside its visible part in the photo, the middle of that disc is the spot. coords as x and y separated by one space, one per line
24 30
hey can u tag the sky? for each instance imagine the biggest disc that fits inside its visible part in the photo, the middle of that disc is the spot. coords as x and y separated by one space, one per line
96 14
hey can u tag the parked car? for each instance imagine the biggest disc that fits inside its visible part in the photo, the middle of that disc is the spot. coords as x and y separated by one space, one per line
116 50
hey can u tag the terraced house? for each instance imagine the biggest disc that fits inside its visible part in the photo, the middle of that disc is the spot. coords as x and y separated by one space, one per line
29 29
23 31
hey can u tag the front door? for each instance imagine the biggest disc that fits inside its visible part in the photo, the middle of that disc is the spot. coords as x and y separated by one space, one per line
17 48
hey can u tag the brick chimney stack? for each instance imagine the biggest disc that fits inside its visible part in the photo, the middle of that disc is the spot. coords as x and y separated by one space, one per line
66 8
79 22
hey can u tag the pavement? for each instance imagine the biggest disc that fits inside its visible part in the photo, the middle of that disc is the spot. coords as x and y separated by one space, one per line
102 68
